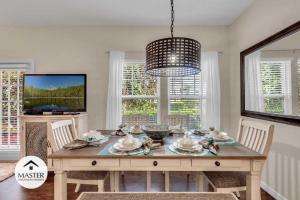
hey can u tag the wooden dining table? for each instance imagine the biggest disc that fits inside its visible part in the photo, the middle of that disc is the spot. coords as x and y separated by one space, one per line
230 158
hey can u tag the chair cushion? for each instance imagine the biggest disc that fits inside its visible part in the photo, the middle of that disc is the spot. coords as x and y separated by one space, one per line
227 179
87 175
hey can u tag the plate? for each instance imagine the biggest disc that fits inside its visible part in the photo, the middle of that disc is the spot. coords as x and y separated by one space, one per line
195 147
178 131
93 138
222 138
118 146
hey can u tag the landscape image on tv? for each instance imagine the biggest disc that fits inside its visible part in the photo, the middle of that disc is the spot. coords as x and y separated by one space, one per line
54 92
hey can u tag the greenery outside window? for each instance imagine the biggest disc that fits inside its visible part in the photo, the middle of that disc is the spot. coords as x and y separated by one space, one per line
11 81
185 97
140 95
275 76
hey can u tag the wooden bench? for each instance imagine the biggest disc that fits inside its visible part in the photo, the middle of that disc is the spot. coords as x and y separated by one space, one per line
155 196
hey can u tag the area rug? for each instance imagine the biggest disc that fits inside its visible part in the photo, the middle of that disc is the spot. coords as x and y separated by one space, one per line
6 170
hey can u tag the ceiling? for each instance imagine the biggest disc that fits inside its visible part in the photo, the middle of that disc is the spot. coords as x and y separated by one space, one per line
119 12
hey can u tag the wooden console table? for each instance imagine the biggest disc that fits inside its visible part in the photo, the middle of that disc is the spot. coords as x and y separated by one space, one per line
231 158
35 130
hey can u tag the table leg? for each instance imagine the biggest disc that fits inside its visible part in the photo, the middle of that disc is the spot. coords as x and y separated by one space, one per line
148 181
60 185
117 178
167 181
112 181
200 182
253 186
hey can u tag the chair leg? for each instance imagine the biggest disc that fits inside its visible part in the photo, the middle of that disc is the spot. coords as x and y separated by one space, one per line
112 181
100 186
148 181
200 182
77 188
167 181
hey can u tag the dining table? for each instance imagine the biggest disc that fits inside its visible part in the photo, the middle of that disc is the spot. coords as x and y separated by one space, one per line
231 157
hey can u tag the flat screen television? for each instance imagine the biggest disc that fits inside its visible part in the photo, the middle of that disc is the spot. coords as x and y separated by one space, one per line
54 93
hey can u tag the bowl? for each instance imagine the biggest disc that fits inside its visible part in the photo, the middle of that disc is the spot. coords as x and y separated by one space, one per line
156 132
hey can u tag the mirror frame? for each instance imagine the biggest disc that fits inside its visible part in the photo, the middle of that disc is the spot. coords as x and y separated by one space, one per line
286 119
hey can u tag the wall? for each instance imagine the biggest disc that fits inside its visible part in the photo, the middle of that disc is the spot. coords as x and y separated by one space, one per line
84 50
262 19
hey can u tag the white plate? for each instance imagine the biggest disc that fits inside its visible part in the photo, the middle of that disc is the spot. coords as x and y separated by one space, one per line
195 147
178 131
136 132
94 138
221 138
118 146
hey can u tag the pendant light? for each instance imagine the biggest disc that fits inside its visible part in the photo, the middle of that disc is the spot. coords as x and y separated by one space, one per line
173 56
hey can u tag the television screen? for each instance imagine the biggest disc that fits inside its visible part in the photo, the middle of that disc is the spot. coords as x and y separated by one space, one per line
54 92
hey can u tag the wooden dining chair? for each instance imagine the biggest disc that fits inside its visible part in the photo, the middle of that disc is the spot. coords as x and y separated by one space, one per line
64 132
254 135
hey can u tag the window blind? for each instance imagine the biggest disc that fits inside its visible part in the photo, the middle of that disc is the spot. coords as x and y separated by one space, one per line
140 95
276 86
11 88
185 98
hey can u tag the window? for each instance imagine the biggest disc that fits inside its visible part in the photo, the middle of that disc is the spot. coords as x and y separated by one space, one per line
276 85
140 95
185 98
11 88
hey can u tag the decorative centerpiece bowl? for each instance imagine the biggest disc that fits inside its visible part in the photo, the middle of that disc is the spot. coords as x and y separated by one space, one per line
156 132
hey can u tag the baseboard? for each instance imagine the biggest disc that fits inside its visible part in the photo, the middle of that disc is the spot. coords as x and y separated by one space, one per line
272 192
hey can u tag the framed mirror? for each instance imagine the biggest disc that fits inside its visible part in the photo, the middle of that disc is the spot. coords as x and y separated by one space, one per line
270 78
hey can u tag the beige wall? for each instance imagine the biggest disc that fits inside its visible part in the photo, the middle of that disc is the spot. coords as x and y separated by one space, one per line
263 18
83 50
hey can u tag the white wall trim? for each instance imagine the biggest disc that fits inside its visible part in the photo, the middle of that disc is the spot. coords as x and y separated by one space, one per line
10 155
29 62
272 192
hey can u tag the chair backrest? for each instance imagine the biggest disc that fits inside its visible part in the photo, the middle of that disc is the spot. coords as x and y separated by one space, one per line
255 135
174 120
63 132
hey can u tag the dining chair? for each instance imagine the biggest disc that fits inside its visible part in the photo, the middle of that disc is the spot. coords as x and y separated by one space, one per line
64 132
254 135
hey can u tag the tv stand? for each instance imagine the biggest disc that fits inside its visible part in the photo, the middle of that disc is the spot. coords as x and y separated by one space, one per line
56 112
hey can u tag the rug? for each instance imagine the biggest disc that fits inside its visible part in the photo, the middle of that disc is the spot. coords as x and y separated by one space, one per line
6 170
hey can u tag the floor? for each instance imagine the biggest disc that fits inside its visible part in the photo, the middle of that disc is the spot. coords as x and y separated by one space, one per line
131 181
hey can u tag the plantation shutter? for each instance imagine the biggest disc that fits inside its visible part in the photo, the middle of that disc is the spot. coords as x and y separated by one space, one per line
185 98
275 76
11 88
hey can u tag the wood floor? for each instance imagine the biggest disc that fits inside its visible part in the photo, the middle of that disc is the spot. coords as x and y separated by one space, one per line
131 181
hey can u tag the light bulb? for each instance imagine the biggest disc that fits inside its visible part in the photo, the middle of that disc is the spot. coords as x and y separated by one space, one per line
173 58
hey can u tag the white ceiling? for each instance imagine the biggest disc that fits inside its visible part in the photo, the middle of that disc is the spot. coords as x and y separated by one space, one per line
119 12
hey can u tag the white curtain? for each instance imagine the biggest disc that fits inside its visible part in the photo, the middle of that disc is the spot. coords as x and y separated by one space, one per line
210 83
114 99
254 98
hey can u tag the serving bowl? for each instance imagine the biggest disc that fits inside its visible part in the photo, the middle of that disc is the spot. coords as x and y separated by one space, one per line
156 132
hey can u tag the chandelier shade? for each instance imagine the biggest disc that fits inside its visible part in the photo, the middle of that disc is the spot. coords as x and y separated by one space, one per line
174 57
